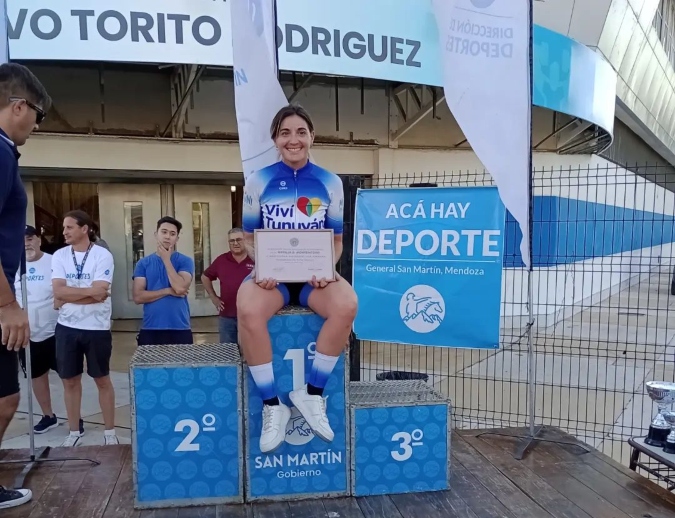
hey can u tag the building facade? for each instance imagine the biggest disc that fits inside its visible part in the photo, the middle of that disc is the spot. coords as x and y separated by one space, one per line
143 126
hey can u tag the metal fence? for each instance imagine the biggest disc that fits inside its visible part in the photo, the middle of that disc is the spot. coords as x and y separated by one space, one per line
604 314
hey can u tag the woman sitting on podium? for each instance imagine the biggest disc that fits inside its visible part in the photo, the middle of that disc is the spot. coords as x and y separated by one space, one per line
278 197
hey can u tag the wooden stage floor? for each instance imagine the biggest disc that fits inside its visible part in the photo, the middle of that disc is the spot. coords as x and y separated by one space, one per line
487 481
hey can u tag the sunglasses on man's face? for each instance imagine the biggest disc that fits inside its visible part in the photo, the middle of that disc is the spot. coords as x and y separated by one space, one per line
39 112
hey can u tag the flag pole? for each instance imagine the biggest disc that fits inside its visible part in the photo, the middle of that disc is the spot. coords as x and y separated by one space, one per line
530 290
533 431
276 43
531 360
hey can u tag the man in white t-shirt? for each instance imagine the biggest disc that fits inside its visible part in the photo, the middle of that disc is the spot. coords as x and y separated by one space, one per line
82 274
42 319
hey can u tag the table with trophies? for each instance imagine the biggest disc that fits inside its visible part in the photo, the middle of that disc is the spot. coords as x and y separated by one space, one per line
655 453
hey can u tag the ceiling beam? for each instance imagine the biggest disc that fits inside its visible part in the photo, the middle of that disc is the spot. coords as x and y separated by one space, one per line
417 118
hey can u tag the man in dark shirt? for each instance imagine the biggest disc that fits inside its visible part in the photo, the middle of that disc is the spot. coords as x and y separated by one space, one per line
230 269
23 105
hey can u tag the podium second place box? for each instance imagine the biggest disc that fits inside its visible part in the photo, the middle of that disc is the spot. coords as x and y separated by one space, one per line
186 422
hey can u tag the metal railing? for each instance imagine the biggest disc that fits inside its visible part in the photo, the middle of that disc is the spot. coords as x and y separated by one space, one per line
604 314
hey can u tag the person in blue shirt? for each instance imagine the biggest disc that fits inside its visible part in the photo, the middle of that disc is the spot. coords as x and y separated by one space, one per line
161 283
24 103
296 194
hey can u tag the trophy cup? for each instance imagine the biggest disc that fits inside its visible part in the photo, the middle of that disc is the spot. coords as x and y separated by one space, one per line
670 440
663 394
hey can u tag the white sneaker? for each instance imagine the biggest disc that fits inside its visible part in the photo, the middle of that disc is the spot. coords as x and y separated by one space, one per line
110 440
313 409
71 440
275 419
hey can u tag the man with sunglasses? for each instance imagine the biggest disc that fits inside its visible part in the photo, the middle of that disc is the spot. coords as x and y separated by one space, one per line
23 105
230 269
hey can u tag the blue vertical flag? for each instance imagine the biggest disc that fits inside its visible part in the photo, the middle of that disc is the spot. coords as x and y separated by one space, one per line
257 92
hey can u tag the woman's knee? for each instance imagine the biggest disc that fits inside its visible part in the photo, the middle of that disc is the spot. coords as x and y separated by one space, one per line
345 308
256 306
245 302
246 313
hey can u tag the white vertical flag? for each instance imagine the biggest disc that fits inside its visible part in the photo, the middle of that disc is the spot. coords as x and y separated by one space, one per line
485 47
4 41
257 92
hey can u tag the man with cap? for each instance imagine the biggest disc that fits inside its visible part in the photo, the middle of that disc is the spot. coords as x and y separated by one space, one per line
42 318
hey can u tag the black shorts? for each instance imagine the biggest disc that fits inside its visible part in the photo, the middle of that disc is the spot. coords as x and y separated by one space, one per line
42 357
164 337
9 372
73 345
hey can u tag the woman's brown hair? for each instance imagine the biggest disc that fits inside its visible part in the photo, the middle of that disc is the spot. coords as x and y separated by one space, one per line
289 111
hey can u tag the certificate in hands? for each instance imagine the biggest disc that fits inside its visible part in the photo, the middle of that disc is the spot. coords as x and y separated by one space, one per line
294 255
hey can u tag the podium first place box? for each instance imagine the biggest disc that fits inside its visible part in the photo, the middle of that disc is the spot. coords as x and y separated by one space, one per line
400 440
304 466
186 425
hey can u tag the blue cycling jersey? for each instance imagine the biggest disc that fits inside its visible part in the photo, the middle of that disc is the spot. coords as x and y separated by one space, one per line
277 197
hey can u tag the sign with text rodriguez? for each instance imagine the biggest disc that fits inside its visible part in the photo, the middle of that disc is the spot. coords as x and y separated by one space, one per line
393 40
428 266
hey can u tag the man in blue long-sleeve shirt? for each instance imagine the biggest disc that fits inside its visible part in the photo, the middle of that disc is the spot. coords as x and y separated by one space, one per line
23 105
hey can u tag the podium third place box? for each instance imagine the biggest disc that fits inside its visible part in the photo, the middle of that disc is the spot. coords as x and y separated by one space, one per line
400 438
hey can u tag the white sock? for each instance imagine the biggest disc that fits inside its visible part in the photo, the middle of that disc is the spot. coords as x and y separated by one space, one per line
263 376
75 434
322 367
109 432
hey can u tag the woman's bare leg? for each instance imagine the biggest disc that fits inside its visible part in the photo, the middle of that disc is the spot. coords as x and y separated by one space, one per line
255 307
337 303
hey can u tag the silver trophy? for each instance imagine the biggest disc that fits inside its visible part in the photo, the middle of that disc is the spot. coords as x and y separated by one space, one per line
670 440
663 394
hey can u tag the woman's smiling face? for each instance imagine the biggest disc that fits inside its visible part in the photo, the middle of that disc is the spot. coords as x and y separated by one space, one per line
294 141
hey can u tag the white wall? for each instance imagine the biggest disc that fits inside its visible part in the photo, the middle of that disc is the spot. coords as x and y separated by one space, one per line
144 154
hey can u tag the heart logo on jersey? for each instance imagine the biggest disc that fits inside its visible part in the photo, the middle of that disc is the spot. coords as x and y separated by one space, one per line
308 206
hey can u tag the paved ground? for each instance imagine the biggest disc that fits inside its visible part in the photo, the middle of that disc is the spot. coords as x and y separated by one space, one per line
591 368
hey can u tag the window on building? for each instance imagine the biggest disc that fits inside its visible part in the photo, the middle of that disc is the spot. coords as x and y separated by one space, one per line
201 230
133 234
664 23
